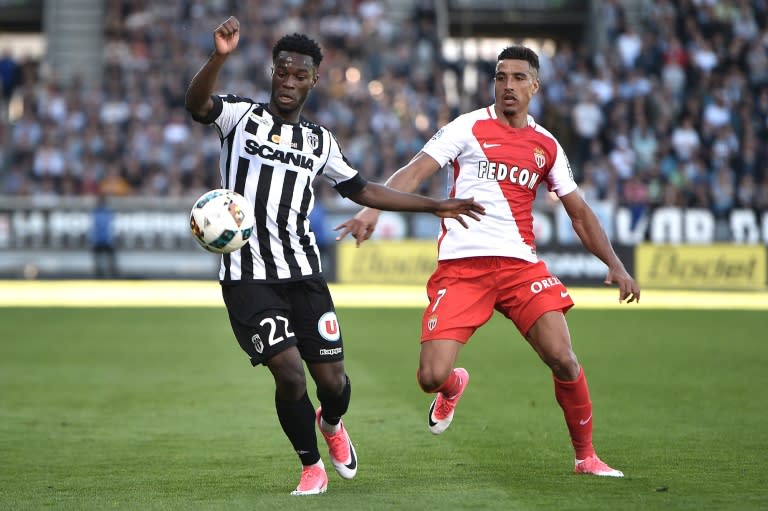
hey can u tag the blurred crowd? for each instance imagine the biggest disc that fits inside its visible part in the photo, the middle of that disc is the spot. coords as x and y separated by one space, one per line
670 111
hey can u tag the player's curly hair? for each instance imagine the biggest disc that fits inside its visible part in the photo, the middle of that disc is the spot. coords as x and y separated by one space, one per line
520 53
299 43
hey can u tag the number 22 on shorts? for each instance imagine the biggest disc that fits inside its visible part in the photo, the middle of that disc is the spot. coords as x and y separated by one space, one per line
273 328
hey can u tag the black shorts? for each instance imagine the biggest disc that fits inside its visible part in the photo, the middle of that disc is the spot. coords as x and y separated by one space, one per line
269 318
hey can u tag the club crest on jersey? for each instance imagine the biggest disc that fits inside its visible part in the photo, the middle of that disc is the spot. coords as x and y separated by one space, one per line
313 140
275 138
539 157
432 322
257 344
328 327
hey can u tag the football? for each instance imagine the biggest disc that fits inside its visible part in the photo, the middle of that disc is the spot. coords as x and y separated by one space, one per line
221 221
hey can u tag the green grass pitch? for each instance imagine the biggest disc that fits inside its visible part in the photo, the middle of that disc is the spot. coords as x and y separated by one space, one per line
130 408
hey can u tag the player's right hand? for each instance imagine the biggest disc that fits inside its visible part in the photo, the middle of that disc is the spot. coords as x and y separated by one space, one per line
226 36
361 226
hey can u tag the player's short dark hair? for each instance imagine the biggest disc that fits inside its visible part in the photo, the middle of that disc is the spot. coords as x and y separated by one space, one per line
299 43
520 53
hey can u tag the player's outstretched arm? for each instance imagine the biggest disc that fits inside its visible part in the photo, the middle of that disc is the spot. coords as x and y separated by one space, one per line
378 196
198 98
594 239
406 179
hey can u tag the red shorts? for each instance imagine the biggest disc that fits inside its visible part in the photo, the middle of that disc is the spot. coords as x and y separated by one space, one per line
463 294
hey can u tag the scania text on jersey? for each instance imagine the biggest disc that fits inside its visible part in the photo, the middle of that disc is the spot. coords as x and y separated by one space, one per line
501 171
287 157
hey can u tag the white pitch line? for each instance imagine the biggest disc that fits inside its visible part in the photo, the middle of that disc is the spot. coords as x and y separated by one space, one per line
170 293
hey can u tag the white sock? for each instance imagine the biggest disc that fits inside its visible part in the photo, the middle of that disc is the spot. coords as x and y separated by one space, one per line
329 428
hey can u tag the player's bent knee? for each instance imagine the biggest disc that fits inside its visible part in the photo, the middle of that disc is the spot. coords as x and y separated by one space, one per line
290 381
564 368
430 380
331 387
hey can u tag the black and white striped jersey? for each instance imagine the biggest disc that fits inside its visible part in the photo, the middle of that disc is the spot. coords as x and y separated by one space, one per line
273 163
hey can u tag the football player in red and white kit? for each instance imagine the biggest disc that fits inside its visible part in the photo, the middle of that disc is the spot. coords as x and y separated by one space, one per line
499 155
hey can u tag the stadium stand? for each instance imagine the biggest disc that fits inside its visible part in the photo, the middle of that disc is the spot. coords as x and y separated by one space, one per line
668 111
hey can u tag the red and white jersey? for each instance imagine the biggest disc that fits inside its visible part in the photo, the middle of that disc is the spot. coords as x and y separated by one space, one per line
501 167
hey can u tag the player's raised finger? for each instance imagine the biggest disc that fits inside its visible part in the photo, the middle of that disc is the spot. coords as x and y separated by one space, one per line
343 233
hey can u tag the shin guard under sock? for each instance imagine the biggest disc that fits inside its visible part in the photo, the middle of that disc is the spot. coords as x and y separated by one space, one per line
336 406
298 421
573 397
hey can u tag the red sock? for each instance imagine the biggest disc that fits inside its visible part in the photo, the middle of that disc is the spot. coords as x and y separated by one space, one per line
451 386
573 397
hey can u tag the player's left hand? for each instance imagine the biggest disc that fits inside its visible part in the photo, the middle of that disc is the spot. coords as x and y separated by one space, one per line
628 288
458 208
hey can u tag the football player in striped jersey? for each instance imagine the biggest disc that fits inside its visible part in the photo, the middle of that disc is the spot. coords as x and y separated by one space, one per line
278 302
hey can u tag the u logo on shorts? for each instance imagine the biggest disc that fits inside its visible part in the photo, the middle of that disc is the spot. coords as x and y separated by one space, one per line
328 327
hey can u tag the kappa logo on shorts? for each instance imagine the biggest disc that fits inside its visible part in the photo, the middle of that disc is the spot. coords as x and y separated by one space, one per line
432 322
257 344
328 327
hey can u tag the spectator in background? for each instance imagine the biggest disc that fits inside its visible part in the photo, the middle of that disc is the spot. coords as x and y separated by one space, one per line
717 112
9 78
655 183
26 134
685 139
723 191
629 44
644 143
761 194
49 158
102 237
673 71
113 183
746 192
622 157
588 119
635 198
589 188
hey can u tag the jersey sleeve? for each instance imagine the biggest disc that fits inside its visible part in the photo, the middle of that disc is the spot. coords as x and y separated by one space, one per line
339 173
560 177
446 145
226 113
